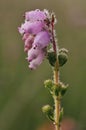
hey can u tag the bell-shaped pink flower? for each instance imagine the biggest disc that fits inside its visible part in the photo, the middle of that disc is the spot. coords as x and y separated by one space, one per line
31 27
37 61
28 43
42 39
33 53
36 15
25 36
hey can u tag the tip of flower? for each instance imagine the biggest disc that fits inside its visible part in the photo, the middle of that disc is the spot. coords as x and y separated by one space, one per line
32 67
21 31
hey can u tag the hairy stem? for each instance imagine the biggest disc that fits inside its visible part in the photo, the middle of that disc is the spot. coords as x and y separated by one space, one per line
56 79
53 35
56 99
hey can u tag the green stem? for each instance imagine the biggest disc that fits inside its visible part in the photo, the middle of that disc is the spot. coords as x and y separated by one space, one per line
56 98
56 79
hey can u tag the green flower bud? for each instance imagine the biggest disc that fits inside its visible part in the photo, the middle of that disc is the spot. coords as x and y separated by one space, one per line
49 84
60 89
57 90
51 56
63 56
48 110
64 89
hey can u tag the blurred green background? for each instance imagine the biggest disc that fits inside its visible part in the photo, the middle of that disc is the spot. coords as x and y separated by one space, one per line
21 90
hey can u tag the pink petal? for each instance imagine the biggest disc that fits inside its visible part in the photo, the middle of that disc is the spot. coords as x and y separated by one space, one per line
37 61
42 39
35 15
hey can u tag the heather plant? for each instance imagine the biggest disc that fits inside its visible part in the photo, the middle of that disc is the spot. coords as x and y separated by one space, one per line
40 42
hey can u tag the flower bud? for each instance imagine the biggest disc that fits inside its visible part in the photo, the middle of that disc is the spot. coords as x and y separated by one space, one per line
49 84
60 89
63 56
48 110
51 56
64 89
57 90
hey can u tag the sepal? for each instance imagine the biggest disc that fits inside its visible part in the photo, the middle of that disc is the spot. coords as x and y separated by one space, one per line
48 111
57 90
51 56
61 115
49 85
64 89
60 89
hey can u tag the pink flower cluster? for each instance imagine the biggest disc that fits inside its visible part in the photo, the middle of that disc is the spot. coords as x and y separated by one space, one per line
36 36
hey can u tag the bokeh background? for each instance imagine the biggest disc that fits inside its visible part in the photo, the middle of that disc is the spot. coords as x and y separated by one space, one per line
21 90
